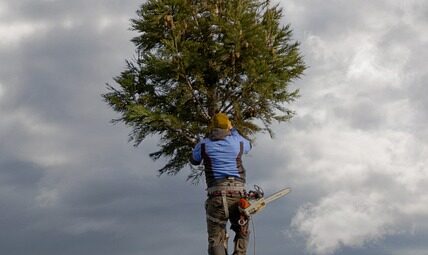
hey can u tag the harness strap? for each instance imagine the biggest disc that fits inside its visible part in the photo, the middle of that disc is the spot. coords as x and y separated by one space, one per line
225 208
225 205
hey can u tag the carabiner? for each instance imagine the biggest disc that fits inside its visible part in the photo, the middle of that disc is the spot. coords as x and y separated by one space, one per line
242 222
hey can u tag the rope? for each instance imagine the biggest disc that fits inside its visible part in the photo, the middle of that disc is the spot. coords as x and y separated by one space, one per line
254 235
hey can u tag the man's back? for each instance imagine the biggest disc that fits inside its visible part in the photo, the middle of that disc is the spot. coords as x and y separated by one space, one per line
221 153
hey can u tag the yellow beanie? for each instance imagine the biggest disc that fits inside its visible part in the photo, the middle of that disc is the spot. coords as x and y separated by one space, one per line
220 120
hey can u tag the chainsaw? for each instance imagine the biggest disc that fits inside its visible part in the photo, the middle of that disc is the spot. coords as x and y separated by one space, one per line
255 201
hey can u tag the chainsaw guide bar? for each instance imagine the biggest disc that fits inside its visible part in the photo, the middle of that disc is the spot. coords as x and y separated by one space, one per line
256 205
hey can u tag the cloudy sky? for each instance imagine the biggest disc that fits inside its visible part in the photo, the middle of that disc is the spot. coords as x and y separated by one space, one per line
355 155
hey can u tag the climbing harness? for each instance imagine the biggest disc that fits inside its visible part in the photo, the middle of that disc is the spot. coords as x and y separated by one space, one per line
250 203
225 189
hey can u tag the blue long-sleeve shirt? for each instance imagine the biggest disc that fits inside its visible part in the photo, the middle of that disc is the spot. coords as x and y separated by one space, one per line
221 155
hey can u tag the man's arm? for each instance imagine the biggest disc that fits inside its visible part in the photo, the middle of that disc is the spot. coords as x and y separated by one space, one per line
196 157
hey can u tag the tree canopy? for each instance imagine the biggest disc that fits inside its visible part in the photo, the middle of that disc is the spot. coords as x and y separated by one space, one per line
195 58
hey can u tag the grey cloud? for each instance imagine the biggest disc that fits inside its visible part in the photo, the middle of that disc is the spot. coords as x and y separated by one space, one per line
56 10
103 212
19 174
106 199
62 64
364 114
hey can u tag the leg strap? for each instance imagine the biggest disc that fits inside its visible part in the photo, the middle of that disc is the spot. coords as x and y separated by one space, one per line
225 205
217 250
215 220
226 211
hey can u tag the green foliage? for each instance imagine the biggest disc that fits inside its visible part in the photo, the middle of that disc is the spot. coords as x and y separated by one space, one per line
198 57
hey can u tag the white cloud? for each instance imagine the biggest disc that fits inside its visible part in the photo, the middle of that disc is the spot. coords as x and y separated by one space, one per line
353 143
105 22
28 121
344 219
13 33
70 23
43 143
367 68
374 184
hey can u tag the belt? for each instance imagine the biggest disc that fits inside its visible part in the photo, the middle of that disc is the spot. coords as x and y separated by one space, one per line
234 189
226 188
228 181
228 193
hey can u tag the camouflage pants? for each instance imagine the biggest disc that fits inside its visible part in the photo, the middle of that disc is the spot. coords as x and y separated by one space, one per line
218 213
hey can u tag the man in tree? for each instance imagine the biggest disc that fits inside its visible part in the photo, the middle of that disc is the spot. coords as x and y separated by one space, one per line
196 58
193 60
221 154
